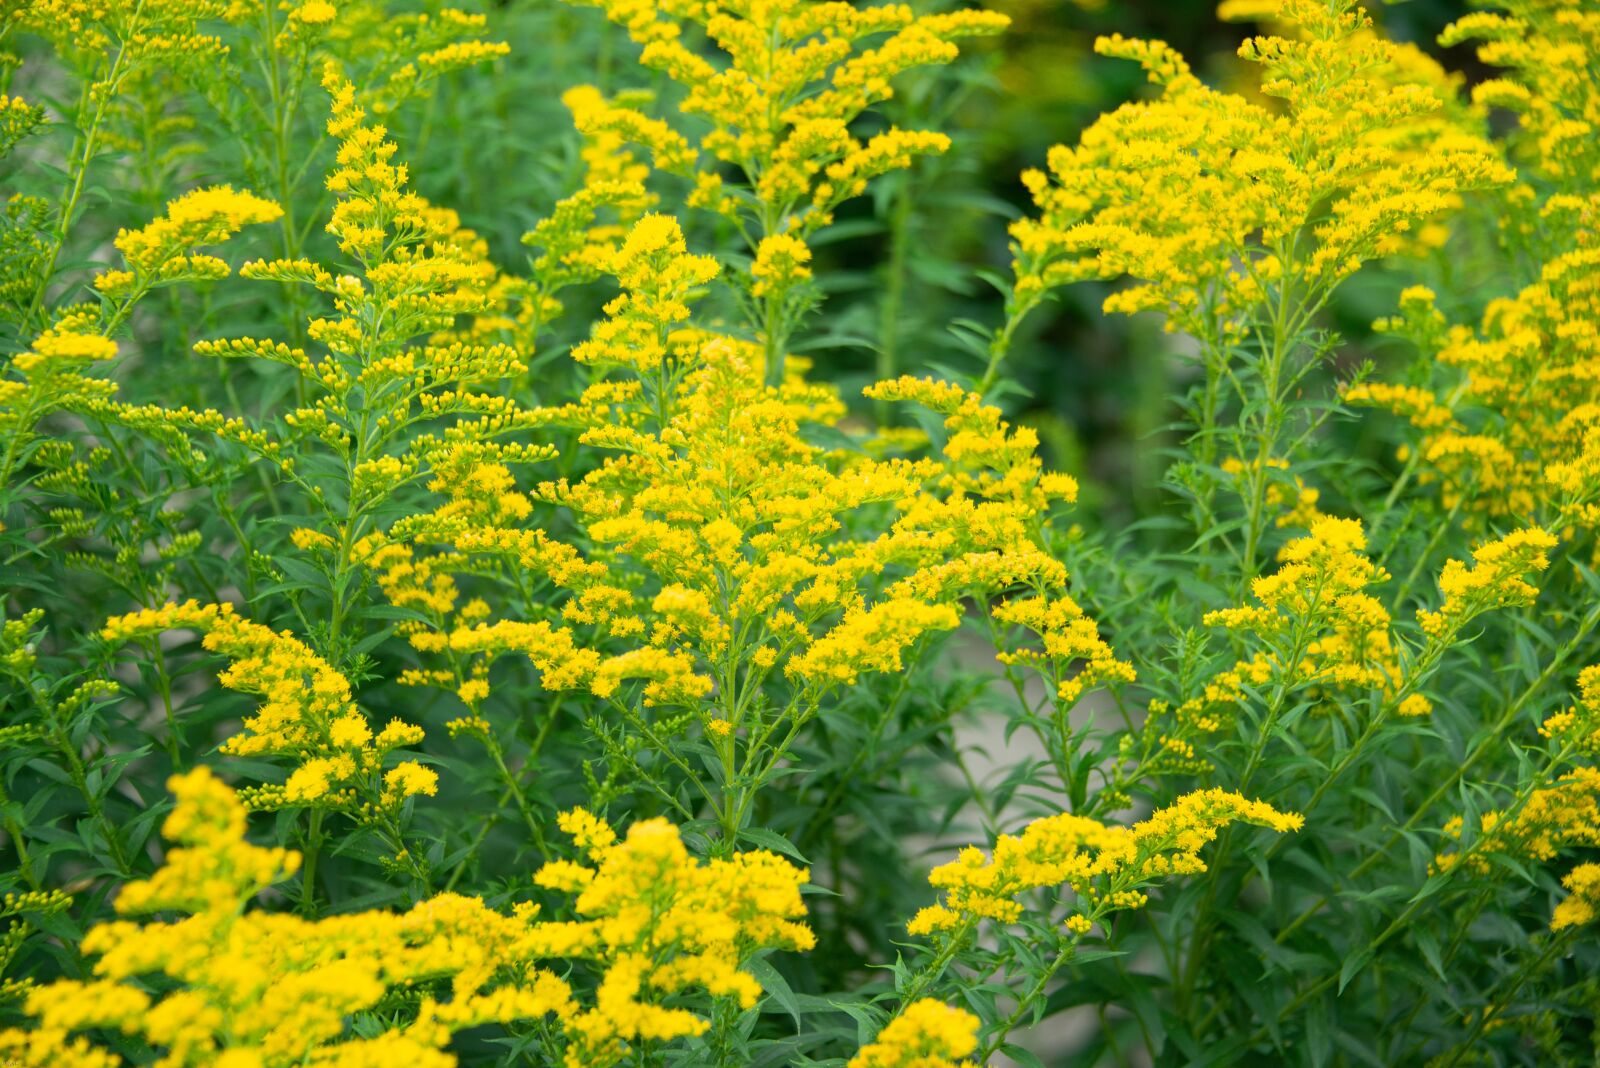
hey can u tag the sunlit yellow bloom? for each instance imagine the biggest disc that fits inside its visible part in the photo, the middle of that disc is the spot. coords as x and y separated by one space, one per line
926 1034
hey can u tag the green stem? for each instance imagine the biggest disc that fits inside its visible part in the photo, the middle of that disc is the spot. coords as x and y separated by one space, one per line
894 290
313 849
24 861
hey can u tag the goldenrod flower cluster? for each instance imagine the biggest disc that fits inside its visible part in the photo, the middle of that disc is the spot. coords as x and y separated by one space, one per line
163 251
573 604
1560 812
927 1034
782 100
796 76
655 923
147 30
714 491
1494 579
1582 904
1320 592
254 987
1213 201
259 988
1507 423
307 713
1106 867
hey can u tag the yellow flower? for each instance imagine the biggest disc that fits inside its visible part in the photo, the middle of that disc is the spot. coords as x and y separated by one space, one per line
780 264
164 250
656 922
1494 580
247 987
1582 902
1202 196
307 711
1104 866
926 1034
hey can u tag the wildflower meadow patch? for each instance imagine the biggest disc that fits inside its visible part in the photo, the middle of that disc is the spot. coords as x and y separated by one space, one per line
584 534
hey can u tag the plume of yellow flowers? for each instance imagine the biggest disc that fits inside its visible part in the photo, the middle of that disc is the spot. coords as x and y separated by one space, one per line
1546 50
1508 423
926 1034
1105 866
396 56
1494 579
1219 206
1560 812
1322 626
18 119
49 376
1520 434
391 368
138 31
789 79
164 250
765 555
307 714
1582 903
578 241
270 990
656 923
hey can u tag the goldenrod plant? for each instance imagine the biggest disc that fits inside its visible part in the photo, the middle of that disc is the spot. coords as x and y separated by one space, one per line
583 535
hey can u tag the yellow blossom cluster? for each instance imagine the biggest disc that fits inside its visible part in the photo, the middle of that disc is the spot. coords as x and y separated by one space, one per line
1318 625
18 119
1287 495
765 553
1579 725
984 455
926 1034
146 31
1067 636
1554 818
1549 819
1582 903
1508 423
1545 49
656 923
780 264
164 250
1212 201
1105 866
657 274
50 376
782 90
1520 434
270 990
1495 579
795 75
577 242
395 56
307 713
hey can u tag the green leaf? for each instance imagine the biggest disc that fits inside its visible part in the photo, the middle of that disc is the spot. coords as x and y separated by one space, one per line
772 840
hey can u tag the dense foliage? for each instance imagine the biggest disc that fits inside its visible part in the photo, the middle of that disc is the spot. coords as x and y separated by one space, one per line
420 648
